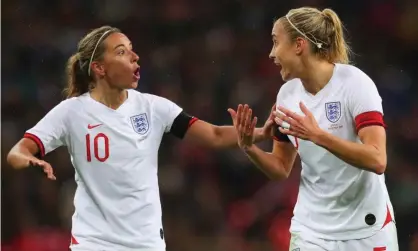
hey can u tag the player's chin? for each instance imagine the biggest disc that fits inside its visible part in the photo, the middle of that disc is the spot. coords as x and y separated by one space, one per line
286 76
134 85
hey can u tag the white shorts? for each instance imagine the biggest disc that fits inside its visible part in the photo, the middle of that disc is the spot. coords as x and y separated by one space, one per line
384 240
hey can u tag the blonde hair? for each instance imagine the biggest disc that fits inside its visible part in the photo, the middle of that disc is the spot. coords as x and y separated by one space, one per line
323 30
90 48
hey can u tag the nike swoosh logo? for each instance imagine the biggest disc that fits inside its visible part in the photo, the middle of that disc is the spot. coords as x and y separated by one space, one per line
93 126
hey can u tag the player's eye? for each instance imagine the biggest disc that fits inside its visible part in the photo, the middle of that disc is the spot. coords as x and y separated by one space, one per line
121 52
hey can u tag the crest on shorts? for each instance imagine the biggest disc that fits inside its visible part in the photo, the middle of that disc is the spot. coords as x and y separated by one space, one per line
333 111
140 123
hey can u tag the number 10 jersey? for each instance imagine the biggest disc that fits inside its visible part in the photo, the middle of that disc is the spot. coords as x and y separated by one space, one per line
114 153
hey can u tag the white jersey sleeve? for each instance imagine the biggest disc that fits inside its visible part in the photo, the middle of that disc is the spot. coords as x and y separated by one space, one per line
167 111
49 133
364 102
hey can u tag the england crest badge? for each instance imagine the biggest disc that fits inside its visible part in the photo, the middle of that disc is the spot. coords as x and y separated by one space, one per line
333 111
140 123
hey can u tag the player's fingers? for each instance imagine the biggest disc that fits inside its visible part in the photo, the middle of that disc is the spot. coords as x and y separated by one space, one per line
35 162
254 124
278 121
283 117
290 114
47 168
287 131
248 119
248 124
233 114
239 114
240 132
269 123
51 175
244 113
304 109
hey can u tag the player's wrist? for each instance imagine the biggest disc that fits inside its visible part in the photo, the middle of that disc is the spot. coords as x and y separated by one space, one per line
258 135
247 149
319 137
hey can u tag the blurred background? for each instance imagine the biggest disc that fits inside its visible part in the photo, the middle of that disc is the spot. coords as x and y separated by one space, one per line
206 56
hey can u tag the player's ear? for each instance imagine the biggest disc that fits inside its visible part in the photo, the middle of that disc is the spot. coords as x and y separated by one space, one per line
98 68
300 45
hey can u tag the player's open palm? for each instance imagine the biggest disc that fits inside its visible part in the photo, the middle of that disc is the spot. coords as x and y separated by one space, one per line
46 167
303 127
244 124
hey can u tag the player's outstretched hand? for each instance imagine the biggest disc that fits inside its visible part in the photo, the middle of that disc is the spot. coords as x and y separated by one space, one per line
268 128
303 127
245 124
46 167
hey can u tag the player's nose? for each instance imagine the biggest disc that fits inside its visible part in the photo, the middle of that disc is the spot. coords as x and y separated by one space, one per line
271 55
135 57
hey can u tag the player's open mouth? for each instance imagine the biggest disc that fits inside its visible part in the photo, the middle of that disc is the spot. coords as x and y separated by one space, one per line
136 74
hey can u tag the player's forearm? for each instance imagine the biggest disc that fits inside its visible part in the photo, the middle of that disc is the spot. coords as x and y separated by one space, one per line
362 156
19 157
267 163
226 136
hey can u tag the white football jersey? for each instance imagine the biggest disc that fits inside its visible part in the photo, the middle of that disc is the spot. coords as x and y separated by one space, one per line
114 153
337 201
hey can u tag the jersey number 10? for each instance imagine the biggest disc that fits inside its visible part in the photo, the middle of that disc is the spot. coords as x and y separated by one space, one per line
100 157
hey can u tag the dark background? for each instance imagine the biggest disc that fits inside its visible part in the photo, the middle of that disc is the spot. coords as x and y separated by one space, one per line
206 56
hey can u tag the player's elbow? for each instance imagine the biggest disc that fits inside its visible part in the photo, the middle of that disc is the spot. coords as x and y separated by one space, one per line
280 173
377 163
11 159
380 166
217 139
279 176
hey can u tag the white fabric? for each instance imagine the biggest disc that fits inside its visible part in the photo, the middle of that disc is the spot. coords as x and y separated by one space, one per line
335 197
117 202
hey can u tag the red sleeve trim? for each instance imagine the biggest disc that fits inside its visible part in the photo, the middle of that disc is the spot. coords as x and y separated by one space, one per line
192 121
369 119
37 141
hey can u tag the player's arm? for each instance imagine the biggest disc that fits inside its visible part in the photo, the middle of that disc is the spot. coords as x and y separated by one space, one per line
209 135
22 153
44 137
369 155
365 106
278 164
206 134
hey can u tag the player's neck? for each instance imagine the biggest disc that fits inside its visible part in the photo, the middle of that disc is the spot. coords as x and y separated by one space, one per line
110 97
317 75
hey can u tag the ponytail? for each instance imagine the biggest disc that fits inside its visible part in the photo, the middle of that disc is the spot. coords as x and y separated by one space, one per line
77 82
323 30
339 51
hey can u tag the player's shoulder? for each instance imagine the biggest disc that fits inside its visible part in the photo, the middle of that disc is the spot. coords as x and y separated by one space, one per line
152 99
69 104
135 94
140 98
290 87
352 76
